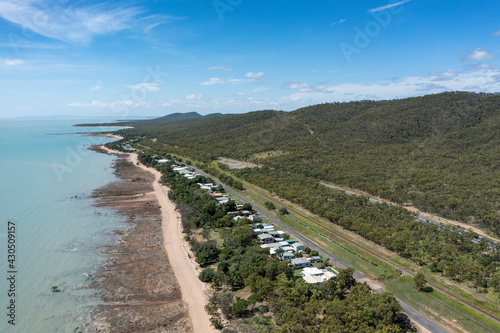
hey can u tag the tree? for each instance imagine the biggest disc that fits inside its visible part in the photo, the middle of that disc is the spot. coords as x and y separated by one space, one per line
279 253
207 275
283 211
345 279
269 205
255 298
239 308
495 282
419 280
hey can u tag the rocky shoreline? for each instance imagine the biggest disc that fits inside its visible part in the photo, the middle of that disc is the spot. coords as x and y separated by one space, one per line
140 291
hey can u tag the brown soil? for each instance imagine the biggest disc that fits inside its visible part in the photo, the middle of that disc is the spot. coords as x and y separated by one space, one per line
141 293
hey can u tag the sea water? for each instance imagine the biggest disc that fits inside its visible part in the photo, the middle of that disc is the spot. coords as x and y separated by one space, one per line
47 175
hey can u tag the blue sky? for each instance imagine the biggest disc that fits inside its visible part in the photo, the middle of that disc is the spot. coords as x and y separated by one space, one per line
120 59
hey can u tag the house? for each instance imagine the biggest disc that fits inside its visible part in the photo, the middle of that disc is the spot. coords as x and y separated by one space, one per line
163 160
237 218
255 218
281 233
275 234
265 238
316 258
292 240
298 246
317 276
276 245
222 200
286 256
288 249
269 228
301 263
256 232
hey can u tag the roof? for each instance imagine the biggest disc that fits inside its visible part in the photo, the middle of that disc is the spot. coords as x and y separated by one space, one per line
297 245
316 257
311 271
300 261
292 240
264 236
274 244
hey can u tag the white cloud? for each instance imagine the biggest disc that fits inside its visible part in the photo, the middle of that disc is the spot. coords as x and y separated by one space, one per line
112 105
70 23
220 68
13 62
446 75
479 55
215 80
304 87
148 87
378 9
484 80
193 96
338 22
96 87
496 33
254 75
294 84
300 94
212 81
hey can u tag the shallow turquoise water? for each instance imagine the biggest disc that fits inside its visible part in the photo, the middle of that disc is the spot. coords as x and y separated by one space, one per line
56 235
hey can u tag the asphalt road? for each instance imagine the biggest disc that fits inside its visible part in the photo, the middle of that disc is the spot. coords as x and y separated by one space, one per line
410 312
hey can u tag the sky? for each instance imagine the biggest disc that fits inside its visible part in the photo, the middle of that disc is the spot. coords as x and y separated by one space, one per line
120 59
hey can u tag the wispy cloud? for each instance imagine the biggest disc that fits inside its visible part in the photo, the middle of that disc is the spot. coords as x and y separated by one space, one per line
381 8
479 55
73 23
149 87
112 105
12 62
216 80
446 75
193 96
212 81
253 75
496 33
338 22
98 86
220 68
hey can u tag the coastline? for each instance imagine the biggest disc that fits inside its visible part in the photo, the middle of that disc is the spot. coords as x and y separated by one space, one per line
139 289
176 261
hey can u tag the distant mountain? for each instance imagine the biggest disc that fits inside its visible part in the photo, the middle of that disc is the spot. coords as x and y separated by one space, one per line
174 117
178 116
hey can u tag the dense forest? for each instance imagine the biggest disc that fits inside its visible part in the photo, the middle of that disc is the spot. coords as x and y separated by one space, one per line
276 299
438 152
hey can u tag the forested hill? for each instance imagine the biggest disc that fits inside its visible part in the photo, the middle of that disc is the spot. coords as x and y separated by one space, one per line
440 152
190 118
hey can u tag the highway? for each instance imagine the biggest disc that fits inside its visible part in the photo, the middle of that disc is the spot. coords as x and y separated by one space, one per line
410 312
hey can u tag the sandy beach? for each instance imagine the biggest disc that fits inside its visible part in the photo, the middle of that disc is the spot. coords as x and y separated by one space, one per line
186 270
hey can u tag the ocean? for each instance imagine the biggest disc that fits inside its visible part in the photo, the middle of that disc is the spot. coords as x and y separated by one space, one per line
46 178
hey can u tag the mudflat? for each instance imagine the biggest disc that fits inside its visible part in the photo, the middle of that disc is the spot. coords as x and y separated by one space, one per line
140 290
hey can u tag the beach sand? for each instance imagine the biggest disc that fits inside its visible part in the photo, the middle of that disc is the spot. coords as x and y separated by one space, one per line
186 270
